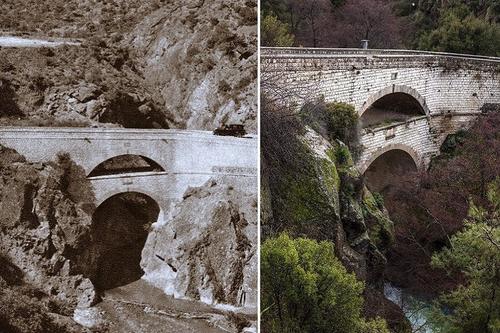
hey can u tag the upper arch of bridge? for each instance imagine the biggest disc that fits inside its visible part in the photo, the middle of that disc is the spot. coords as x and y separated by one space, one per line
395 89
416 157
125 163
126 151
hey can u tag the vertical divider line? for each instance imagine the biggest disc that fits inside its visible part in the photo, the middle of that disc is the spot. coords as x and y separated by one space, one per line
258 168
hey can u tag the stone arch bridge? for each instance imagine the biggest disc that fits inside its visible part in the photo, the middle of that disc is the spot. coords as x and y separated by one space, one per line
408 101
182 158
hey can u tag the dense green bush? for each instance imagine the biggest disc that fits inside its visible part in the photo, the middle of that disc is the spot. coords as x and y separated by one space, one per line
333 120
274 32
305 288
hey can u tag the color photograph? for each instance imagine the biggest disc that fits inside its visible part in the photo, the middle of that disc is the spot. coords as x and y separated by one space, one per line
380 166
249 166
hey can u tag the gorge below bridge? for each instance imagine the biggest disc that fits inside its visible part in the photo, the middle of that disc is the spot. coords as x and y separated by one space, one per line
161 164
408 102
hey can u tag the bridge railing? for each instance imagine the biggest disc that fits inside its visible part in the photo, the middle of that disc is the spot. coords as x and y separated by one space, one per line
270 52
409 121
130 175
104 133
371 130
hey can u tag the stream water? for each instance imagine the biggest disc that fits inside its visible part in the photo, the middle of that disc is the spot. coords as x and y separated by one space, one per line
415 309
12 41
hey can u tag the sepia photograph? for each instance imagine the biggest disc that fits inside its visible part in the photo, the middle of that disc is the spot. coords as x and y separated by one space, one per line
128 166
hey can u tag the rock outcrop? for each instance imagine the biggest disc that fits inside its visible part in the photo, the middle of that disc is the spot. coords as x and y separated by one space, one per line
314 190
202 58
44 224
326 199
206 250
92 85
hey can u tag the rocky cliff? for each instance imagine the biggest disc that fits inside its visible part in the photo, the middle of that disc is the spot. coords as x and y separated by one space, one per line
328 200
201 57
44 225
311 188
209 255
56 245
45 222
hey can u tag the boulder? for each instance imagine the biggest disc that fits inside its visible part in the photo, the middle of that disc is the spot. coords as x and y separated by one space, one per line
211 255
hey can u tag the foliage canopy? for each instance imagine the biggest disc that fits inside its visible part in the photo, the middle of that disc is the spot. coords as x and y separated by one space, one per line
305 288
475 253
274 32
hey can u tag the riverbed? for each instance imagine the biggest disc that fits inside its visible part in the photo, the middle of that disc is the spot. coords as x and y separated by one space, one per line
415 309
13 41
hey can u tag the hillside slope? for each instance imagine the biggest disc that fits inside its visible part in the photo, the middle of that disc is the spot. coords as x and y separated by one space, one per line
150 65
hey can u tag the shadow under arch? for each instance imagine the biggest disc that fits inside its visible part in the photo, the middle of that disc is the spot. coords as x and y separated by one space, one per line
125 163
392 104
388 167
120 227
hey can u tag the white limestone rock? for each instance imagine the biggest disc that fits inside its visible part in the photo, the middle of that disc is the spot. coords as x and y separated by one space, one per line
207 250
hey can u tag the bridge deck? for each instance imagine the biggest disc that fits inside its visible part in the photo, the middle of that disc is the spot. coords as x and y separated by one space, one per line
109 133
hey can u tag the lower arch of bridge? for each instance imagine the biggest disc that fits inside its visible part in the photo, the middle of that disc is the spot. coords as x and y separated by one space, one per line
389 168
392 104
126 163
120 226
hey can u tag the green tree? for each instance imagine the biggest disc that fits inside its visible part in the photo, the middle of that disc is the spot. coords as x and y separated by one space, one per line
461 31
473 252
274 32
305 288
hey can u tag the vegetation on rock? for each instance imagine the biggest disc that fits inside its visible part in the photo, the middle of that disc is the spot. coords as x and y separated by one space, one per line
91 85
313 190
336 121
147 64
74 18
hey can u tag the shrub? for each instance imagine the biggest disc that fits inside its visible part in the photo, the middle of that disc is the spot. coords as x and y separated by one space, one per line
21 311
305 288
379 199
342 155
335 120
342 121
275 33
280 129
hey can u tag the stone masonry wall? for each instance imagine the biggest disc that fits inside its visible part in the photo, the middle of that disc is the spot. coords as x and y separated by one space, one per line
446 84
452 89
